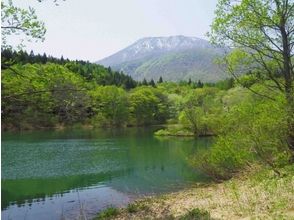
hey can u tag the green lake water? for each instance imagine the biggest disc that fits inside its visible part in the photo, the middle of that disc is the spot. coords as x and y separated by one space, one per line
55 174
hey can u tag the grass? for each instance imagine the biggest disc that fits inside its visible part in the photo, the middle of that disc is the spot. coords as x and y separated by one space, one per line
258 195
108 213
132 208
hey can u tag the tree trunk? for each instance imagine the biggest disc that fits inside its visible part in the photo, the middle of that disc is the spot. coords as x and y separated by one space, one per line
288 77
290 122
289 92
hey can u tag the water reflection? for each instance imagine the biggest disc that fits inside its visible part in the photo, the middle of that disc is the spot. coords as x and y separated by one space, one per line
44 172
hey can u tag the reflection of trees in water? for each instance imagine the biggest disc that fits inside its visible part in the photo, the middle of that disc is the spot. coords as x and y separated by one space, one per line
26 190
133 162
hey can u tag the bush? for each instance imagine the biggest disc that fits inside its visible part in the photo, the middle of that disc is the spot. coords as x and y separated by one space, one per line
174 131
252 131
132 208
223 160
108 213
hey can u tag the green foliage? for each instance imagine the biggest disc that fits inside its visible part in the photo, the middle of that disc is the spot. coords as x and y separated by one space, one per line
201 111
196 214
108 213
65 93
261 33
17 21
223 160
132 208
90 72
34 96
111 103
251 130
160 80
191 119
148 106
174 131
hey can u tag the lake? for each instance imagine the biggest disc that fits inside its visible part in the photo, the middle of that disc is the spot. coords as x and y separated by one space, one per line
59 174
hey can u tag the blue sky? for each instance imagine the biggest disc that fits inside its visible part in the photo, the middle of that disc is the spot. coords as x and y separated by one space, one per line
94 29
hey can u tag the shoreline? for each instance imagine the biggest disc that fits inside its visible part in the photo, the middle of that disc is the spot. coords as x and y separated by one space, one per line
78 126
260 195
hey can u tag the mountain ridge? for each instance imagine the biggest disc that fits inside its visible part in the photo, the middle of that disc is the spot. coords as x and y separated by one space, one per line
174 58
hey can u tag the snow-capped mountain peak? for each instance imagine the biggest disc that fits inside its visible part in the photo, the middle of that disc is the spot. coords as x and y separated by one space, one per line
154 45
174 58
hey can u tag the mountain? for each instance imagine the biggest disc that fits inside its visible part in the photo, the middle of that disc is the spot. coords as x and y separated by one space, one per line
174 58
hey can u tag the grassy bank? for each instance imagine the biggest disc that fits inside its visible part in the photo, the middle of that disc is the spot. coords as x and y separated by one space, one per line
258 195
177 130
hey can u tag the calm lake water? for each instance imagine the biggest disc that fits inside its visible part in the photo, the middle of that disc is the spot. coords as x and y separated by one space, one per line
56 174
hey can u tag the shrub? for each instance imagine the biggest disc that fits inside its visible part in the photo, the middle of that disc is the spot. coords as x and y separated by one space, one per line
174 131
223 160
108 213
252 131
132 208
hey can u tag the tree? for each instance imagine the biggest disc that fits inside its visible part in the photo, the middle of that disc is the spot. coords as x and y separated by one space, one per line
44 58
17 21
111 105
144 82
199 84
43 96
160 80
152 83
191 119
262 35
148 106
62 60
201 110
32 57
190 81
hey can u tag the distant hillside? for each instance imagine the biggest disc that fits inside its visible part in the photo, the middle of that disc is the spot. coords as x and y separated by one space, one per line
174 58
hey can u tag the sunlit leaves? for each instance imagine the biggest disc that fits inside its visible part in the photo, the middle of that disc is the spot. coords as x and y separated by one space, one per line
261 36
20 22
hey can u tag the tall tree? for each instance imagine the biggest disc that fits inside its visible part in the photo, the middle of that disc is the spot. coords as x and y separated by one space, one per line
160 80
199 84
144 82
261 33
190 81
152 83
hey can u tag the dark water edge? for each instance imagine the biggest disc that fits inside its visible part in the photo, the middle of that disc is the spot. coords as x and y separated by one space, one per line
54 174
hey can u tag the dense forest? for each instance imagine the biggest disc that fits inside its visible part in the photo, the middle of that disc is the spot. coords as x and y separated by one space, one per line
89 71
43 92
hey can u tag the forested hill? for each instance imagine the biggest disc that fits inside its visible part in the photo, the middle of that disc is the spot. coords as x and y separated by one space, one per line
90 71
174 58
39 91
